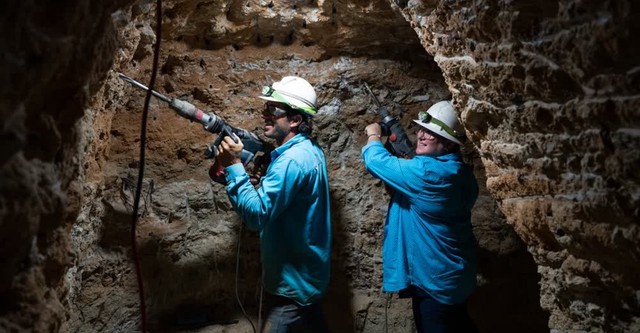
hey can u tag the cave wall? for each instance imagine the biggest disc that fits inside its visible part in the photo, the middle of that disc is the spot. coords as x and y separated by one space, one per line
54 58
547 92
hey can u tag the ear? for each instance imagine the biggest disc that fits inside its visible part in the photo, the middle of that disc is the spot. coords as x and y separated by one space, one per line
295 120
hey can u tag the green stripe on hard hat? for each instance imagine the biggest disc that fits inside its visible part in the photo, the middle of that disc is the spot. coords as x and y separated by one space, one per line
427 118
441 119
310 110
294 92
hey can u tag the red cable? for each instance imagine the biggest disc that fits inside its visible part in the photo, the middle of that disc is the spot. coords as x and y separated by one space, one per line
143 140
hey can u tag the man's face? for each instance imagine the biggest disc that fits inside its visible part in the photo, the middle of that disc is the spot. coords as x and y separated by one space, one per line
276 124
429 143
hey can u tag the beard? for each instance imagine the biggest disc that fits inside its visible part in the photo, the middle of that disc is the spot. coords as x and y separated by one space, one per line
277 133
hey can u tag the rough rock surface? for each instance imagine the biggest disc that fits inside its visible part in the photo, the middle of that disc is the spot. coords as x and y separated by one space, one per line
548 93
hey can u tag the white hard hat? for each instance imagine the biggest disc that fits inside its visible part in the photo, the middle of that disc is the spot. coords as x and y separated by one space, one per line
441 119
293 91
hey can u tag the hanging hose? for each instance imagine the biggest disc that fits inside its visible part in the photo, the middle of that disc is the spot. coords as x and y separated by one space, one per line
143 141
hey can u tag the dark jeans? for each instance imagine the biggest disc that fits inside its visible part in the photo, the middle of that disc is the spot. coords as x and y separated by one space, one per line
286 316
432 316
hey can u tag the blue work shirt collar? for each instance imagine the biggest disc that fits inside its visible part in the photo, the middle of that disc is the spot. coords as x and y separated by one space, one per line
290 143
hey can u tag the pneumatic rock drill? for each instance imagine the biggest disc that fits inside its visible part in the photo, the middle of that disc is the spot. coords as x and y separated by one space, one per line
398 142
216 125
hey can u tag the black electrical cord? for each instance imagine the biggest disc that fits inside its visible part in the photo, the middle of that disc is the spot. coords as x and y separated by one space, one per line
386 316
238 273
143 142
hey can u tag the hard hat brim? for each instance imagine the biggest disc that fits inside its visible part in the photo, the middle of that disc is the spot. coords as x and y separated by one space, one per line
269 98
293 107
438 131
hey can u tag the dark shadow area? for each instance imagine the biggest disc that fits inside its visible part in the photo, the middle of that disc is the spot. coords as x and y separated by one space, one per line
201 293
337 304
509 301
508 295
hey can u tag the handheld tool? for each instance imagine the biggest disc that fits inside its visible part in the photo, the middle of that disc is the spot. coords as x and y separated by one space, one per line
398 142
214 124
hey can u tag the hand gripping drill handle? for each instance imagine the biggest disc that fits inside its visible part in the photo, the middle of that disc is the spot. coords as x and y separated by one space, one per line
398 142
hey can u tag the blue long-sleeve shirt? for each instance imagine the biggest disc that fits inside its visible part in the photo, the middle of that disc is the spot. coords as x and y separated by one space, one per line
291 211
428 239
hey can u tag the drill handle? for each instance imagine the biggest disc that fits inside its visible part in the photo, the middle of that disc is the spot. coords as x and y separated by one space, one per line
212 150
399 142
252 144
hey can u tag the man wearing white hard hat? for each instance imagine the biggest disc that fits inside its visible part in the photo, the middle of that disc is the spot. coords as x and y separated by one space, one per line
429 250
290 209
